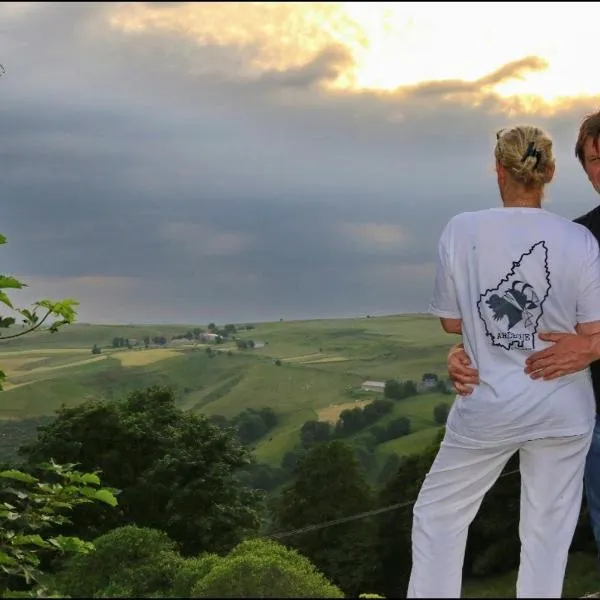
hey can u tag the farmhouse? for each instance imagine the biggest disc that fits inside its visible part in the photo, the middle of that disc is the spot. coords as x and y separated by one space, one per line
373 386
209 337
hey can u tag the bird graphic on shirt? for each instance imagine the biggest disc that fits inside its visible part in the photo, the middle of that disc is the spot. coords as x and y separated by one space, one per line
515 304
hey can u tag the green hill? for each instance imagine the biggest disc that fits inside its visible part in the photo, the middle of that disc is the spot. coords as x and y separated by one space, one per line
303 370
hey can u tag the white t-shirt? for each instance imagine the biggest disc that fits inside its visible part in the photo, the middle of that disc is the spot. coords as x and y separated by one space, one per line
510 273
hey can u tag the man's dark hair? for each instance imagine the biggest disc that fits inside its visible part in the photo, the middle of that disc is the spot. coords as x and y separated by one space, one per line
590 128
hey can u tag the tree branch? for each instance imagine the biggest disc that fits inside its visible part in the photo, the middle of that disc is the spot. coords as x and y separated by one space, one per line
16 335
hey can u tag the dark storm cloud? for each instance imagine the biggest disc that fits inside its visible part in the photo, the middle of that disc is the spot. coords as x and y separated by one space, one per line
158 179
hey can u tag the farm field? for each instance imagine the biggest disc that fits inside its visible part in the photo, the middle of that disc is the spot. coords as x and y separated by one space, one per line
306 370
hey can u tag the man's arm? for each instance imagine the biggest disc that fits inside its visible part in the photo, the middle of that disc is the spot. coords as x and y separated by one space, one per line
569 353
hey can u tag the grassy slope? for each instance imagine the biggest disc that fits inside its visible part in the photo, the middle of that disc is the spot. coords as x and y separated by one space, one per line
324 358
582 577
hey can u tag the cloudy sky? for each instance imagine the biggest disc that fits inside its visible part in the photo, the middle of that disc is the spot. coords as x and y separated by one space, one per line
195 162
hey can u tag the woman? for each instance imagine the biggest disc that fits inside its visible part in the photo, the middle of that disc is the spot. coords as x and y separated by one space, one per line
503 275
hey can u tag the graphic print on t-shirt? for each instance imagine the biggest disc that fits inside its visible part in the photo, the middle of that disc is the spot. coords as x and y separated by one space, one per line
511 311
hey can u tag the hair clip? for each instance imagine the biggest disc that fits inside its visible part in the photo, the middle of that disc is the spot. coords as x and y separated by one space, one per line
531 151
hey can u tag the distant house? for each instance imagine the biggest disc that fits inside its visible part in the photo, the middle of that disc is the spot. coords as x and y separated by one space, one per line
373 386
428 382
209 337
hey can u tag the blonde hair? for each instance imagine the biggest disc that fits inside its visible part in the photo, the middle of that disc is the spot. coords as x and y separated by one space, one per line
526 153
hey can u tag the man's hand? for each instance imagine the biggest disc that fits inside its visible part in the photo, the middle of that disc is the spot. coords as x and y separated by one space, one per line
462 375
568 354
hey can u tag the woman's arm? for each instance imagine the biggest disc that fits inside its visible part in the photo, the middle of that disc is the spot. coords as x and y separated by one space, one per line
455 325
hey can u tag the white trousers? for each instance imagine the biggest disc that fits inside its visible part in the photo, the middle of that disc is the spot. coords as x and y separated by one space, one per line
462 473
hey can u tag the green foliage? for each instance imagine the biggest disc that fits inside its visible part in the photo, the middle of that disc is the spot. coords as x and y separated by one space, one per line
314 432
398 390
63 311
251 424
190 571
129 561
35 506
17 432
263 569
176 470
329 485
394 538
440 413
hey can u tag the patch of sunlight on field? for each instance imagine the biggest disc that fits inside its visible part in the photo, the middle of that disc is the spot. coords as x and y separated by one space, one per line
41 353
301 358
12 366
7 385
68 365
140 358
327 359
332 413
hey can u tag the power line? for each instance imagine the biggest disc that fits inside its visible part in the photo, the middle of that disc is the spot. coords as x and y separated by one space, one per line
363 515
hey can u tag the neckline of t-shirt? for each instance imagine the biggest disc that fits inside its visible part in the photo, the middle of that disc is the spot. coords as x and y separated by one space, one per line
519 208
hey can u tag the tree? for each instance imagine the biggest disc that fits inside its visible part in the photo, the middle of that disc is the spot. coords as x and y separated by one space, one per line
128 561
96 349
440 413
394 539
398 428
350 421
329 485
175 468
389 469
251 427
32 505
313 432
376 409
393 389
62 311
262 569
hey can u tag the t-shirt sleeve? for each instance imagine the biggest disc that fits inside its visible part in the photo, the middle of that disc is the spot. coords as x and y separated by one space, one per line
444 302
588 302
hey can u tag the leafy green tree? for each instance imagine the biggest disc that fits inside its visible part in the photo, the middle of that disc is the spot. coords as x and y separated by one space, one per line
251 427
175 469
31 506
329 485
393 389
314 432
57 313
96 349
410 389
377 409
440 413
389 469
132 561
190 571
264 569
398 428
291 459
350 421
394 539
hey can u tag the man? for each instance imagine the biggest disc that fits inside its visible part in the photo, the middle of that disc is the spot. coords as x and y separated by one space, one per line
570 352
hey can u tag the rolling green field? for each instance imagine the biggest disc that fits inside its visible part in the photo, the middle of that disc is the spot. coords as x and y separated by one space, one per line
320 361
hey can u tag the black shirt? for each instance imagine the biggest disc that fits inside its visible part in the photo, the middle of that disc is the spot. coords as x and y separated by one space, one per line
591 220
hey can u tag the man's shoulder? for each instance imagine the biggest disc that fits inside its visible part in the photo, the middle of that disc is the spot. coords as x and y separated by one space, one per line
590 220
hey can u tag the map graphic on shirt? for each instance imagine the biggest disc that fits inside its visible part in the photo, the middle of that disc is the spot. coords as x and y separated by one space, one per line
511 311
